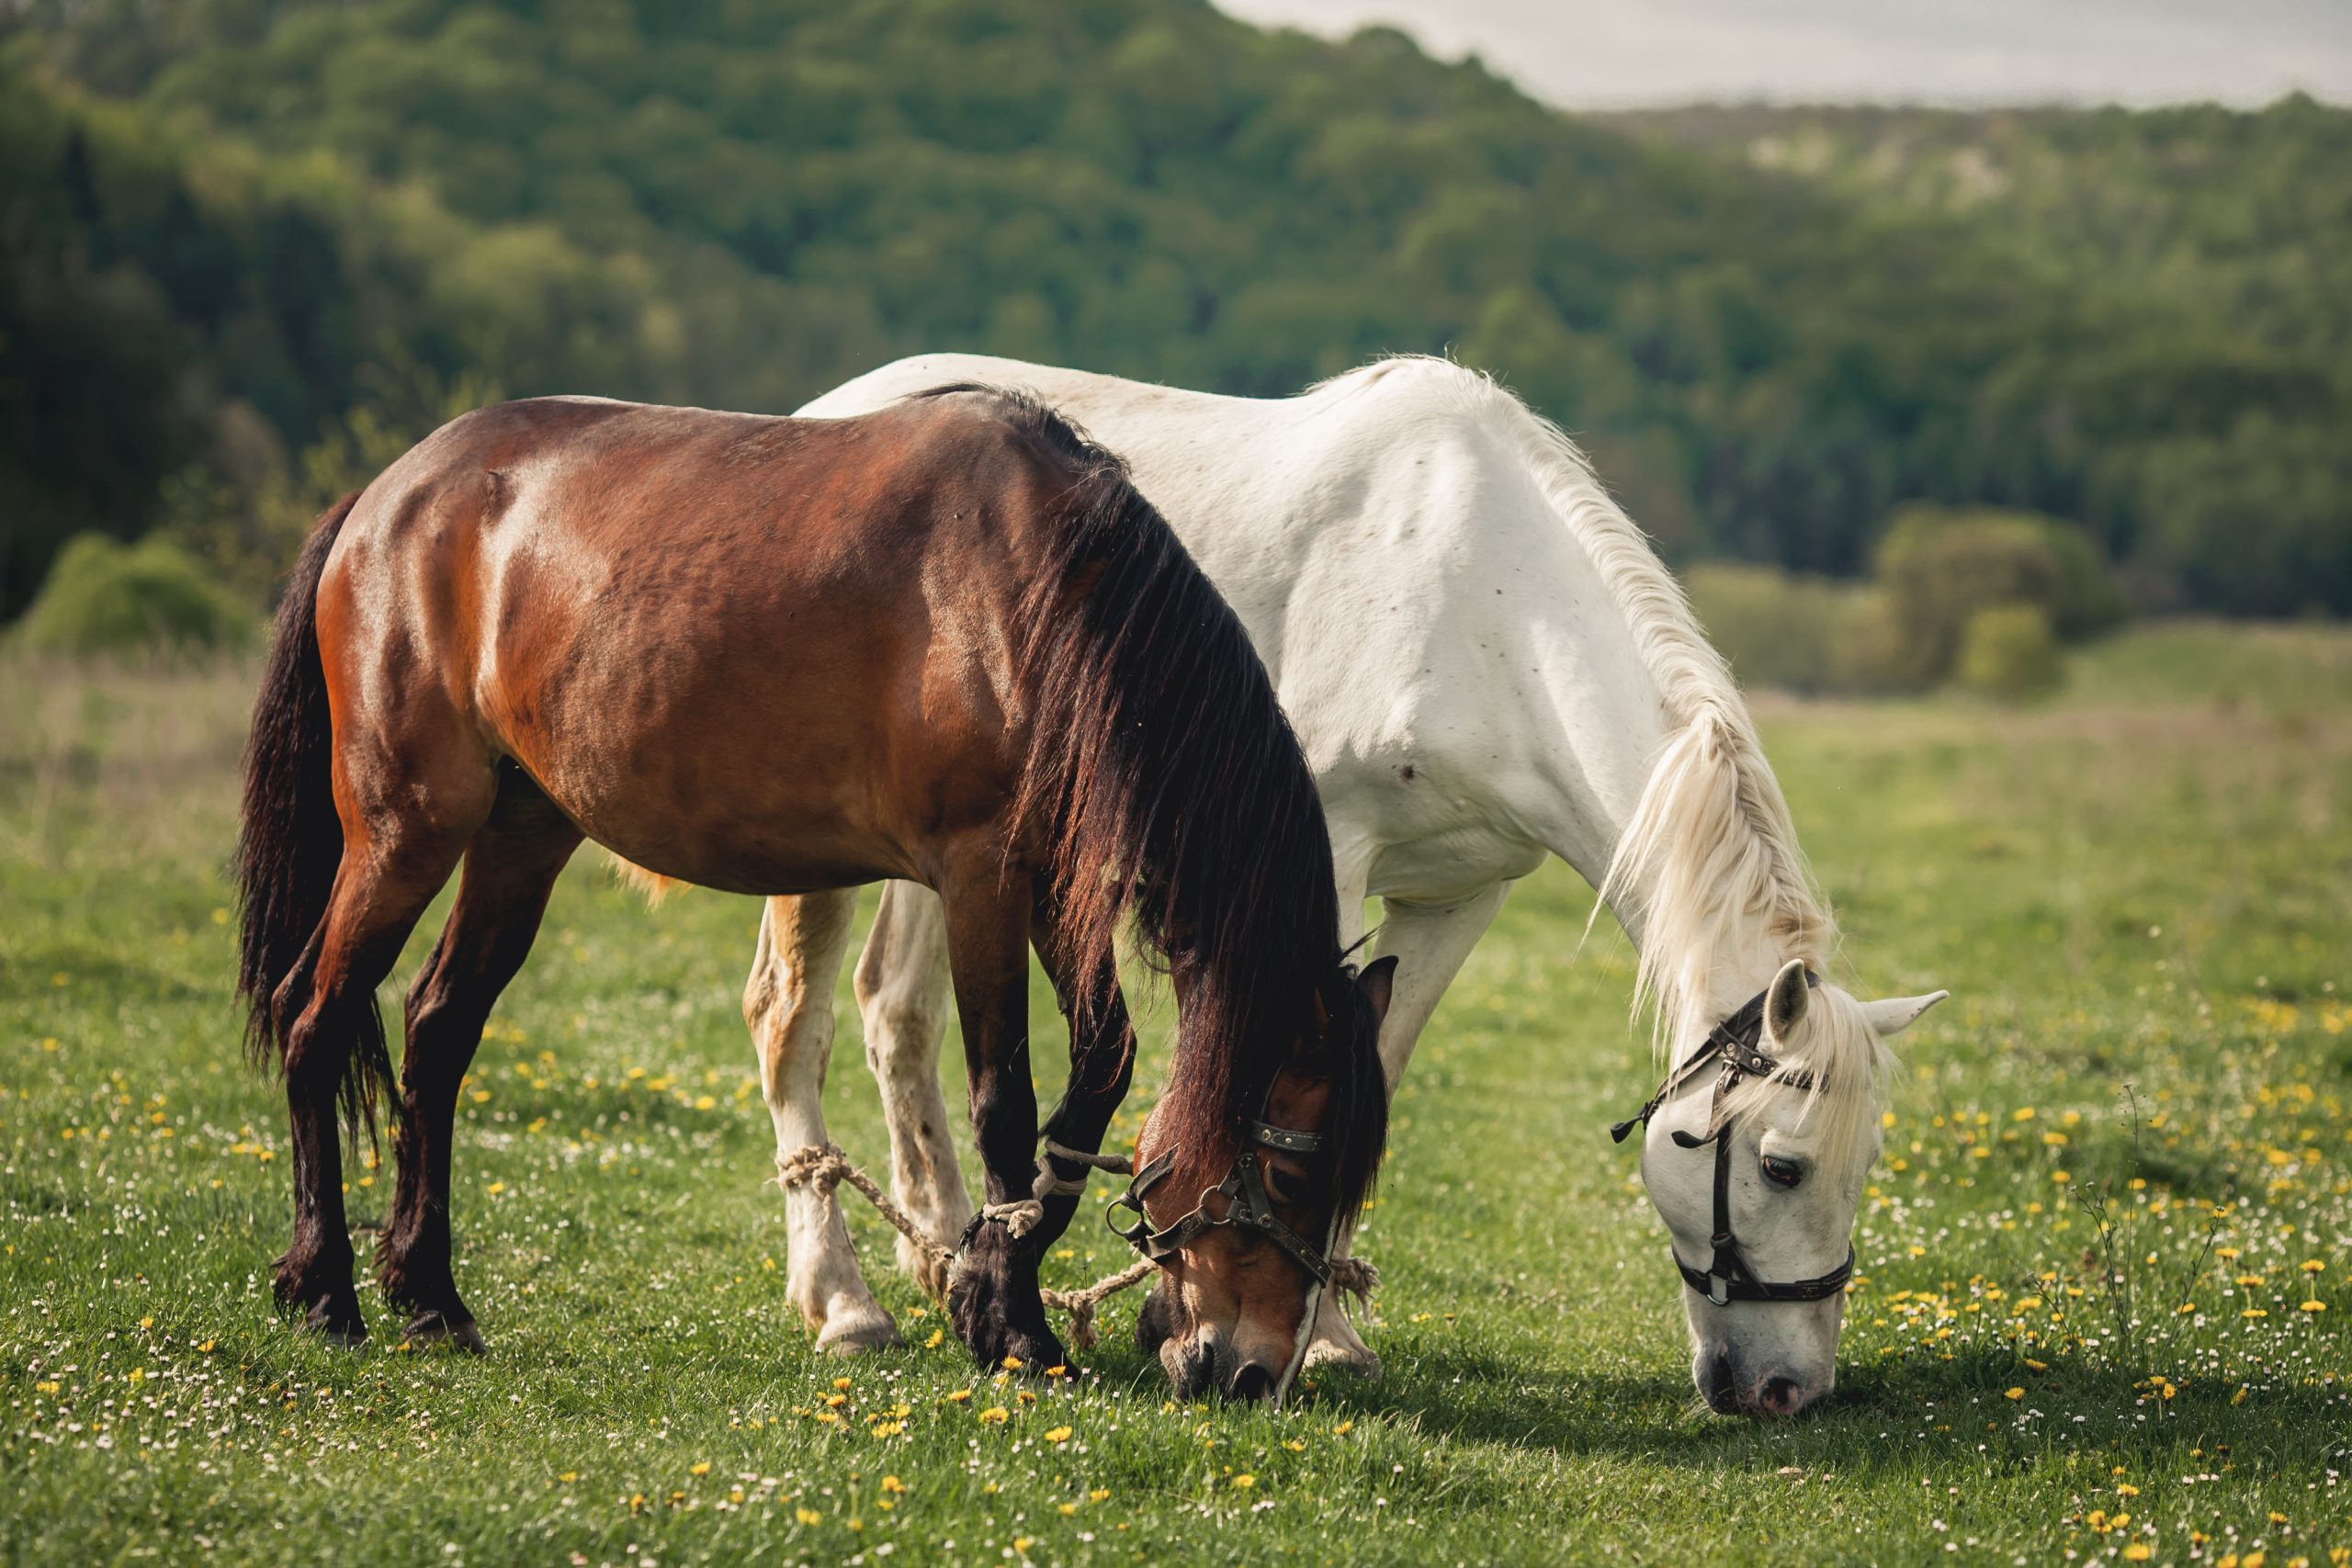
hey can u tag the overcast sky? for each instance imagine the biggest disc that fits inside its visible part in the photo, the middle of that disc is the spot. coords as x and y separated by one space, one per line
1615 53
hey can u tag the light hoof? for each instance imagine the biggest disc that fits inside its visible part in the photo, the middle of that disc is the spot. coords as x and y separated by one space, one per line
431 1329
855 1327
858 1331
1356 1358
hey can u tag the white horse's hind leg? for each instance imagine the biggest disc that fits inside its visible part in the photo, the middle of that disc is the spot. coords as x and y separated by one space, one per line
905 994
788 1002
1429 945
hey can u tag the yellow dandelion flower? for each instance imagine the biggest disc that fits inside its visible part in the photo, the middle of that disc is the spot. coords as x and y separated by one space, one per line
1057 1371
807 1515
2013 1393
1058 1434
2312 1266
1097 1494
2138 1552
1012 1363
1244 1481
892 1483
841 1382
888 1428
495 1188
702 1469
2254 1312
2060 1176
1066 1508
996 1416
959 1396
937 1334
2033 1366
1343 1428
2314 1305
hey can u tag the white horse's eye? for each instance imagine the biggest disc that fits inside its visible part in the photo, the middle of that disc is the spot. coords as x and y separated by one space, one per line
1781 1172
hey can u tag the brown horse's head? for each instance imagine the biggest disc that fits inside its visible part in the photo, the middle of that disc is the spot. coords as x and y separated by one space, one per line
1233 1309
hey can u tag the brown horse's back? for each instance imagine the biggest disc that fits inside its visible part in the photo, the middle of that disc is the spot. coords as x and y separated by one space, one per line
729 648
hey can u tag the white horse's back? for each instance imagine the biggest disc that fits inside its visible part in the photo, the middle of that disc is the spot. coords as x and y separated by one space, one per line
1461 678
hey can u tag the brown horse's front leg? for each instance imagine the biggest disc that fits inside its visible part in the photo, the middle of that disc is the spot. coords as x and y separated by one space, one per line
992 1290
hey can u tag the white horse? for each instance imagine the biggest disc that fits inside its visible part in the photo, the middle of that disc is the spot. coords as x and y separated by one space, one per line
1486 664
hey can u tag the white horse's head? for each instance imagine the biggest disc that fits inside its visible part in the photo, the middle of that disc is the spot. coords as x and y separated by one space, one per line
1797 1153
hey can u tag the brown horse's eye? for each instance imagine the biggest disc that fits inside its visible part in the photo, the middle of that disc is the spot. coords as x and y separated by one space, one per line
1781 1172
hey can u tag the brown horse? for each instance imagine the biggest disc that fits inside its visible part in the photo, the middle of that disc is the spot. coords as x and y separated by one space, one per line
946 642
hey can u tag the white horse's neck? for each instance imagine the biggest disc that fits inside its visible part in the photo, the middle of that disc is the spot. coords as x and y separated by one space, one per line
1683 825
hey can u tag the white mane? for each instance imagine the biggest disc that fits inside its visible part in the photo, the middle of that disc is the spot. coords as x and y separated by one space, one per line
1711 853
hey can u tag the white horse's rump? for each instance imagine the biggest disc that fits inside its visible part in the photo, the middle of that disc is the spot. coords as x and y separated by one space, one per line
1485 663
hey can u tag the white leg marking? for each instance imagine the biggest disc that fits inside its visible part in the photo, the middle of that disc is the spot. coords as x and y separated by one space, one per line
788 1002
905 994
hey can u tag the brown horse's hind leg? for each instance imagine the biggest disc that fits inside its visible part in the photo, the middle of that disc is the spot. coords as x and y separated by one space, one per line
511 867
386 878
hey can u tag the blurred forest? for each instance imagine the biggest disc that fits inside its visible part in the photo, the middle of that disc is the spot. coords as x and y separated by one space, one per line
250 248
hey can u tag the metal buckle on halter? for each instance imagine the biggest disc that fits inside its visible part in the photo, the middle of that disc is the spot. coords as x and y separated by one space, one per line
1138 1234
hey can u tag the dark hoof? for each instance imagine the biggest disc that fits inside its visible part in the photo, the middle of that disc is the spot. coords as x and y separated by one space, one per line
335 1317
431 1329
993 1303
329 1308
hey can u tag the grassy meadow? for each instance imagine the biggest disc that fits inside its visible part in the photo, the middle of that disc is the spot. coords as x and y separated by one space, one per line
2106 1265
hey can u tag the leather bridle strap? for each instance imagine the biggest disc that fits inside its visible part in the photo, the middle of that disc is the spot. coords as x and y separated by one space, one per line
1735 1042
1247 1204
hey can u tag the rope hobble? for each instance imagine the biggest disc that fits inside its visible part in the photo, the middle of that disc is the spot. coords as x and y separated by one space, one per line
824 1168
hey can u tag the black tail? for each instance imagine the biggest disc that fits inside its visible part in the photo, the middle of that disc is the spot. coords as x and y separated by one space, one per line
291 841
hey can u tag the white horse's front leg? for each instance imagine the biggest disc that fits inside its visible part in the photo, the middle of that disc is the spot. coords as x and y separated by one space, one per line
1429 945
788 1002
905 994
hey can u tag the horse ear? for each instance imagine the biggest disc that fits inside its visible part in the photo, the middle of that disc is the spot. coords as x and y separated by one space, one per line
1786 1000
1378 982
1895 1014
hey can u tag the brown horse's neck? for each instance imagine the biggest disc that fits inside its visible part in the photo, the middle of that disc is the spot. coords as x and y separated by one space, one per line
1174 794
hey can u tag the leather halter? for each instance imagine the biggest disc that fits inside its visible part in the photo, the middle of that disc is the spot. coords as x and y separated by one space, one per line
1247 1205
1735 1043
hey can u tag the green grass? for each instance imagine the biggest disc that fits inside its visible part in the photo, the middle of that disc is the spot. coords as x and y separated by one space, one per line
2139 886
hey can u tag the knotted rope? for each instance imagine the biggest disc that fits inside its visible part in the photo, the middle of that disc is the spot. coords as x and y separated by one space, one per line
824 1168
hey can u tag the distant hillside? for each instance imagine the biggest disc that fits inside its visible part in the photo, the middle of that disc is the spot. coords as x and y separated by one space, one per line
262 211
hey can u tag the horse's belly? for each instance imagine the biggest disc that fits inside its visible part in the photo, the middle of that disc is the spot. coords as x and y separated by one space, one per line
1445 867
